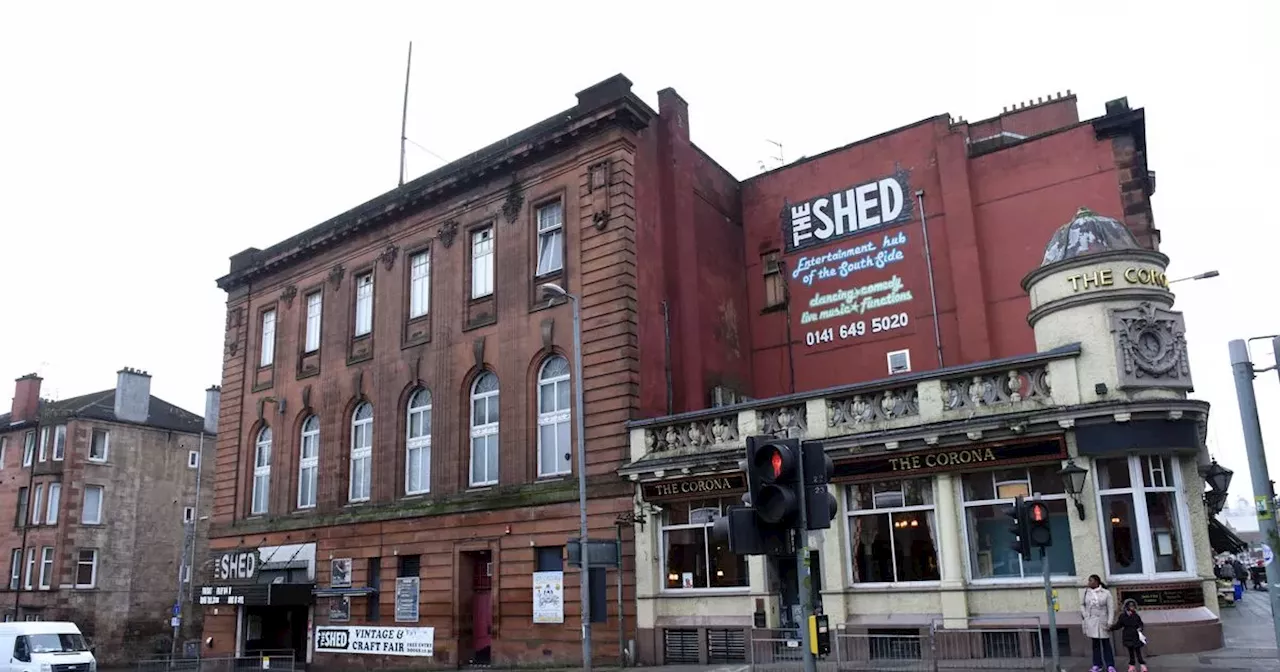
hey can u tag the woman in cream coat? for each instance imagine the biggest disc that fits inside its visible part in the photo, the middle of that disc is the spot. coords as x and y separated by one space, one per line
1097 611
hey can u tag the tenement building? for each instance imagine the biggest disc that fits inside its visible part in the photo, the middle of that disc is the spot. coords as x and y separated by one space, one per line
104 493
396 439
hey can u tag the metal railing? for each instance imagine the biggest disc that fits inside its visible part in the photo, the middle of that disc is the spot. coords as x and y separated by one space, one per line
275 661
911 650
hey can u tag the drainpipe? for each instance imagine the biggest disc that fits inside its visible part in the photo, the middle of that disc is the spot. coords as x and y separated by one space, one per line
786 302
26 515
928 261
666 348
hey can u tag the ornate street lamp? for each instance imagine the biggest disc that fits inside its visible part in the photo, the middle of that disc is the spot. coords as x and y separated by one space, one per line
1073 482
1217 476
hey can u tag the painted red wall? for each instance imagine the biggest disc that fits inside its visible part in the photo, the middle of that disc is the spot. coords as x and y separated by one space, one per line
989 217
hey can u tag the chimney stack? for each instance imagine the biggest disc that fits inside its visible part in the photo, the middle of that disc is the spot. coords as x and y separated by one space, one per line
133 395
212 402
26 398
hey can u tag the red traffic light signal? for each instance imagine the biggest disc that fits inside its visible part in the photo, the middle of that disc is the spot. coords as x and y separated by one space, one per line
1039 534
772 470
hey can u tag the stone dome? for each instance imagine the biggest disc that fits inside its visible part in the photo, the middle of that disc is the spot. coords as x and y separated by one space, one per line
1088 233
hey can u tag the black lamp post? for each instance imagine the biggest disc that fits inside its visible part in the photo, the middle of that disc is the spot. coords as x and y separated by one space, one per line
1073 482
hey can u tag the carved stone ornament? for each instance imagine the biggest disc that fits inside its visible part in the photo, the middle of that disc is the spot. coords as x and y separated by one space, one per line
997 388
234 316
388 256
335 276
1151 348
698 434
788 422
600 219
861 412
515 201
448 231
287 295
233 344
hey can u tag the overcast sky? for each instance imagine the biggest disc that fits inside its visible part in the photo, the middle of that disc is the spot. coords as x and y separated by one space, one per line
142 144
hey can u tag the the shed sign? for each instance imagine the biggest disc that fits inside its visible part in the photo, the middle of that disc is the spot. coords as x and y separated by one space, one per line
847 212
236 566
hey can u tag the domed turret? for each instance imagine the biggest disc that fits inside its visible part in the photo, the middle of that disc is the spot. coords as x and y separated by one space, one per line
1088 233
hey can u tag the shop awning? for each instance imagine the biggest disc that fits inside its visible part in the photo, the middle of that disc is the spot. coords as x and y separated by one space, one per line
1223 540
344 592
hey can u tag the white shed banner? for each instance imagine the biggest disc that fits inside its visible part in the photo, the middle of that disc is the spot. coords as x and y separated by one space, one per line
381 641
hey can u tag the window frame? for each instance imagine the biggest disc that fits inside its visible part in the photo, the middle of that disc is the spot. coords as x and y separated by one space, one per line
421 443
28 448
363 453
93 569
1137 486
312 324
29 577
193 459
484 430
267 321
53 503
663 528
23 506
309 467
491 257
557 230
15 569
419 294
4 450
106 445
888 357
59 443
36 503
362 327
261 472
777 275
554 418
964 505
46 568
850 513
102 503
44 444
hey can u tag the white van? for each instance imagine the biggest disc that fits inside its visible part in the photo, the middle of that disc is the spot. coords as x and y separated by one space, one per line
44 646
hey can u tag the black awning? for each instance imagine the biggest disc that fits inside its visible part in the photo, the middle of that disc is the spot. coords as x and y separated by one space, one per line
1223 540
345 592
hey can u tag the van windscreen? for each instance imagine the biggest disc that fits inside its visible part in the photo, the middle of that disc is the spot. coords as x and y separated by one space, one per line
59 643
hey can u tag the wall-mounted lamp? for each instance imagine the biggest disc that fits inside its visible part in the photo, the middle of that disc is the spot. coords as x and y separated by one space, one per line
1073 482
1217 476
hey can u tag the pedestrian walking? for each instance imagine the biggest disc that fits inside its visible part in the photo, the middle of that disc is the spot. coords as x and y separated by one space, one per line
1242 576
1130 626
1096 612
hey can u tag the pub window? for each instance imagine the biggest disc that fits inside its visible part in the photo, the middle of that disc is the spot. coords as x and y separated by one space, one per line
775 288
986 495
1142 510
892 533
692 557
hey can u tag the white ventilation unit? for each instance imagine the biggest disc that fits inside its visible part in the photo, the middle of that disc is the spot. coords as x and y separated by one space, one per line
899 361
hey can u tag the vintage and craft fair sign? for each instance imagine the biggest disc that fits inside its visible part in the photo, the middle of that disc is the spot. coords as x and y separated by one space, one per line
419 642
548 597
853 273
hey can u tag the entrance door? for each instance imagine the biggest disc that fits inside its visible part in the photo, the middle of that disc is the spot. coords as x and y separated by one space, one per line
480 566
278 631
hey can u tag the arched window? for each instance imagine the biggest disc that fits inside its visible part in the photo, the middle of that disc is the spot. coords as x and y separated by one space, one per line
361 453
484 430
261 472
308 462
553 417
417 459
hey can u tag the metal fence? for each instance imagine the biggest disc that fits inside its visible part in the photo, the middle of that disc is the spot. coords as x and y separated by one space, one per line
911 650
275 661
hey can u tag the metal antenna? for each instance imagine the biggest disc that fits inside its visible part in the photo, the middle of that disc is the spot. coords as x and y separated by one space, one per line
779 146
404 113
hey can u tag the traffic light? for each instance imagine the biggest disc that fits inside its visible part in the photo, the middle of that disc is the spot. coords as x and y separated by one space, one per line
1039 535
1019 528
772 479
746 536
820 505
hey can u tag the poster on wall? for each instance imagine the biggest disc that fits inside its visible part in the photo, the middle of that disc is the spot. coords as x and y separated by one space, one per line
852 270
339 609
419 642
548 597
407 599
340 572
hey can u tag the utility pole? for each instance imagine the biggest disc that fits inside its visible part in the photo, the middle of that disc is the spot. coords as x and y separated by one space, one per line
1263 499
803 580
1053 616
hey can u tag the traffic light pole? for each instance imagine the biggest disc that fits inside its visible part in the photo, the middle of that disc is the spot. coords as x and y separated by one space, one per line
804 581
1053 613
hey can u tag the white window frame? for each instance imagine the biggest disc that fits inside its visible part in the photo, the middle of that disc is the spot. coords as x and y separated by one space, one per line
28 448
46 567
315 313
4 450
188 514
889 362
106 444
102 503
36 502
31 569
93 568
555 418
550 238
663 528
484 431
193 459
1139 507
364 304
970 570
420 284
419 407
309 460
59 443
361 453
851 513
261 492
482 254
267 349
15 568
44 444
55 499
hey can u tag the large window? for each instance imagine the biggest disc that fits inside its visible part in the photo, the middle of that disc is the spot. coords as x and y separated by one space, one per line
553 417
550 238
98 445
482 263
261 471
37 500
484 430
364 304
419 284
91 512
361 453
55 497
692 557
46 568
308 462
1141 503
417 462
59 442
31 568
986 495
23 501
87 568
15 568
315 309
268 346
892 534
28 448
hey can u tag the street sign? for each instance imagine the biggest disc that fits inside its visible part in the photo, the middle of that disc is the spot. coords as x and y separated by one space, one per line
604 553
177 609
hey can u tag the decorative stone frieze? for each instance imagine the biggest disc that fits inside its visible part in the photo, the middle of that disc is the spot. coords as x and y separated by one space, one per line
786 422
1000 388
719 431
860 412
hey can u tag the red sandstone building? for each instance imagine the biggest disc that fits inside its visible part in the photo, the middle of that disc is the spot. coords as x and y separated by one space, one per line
394 443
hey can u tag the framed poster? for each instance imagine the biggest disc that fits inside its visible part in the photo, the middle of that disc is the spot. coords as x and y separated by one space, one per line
340 573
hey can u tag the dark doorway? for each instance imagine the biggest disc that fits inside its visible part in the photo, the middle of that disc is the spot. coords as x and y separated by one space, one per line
788 586
475 592
277 631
